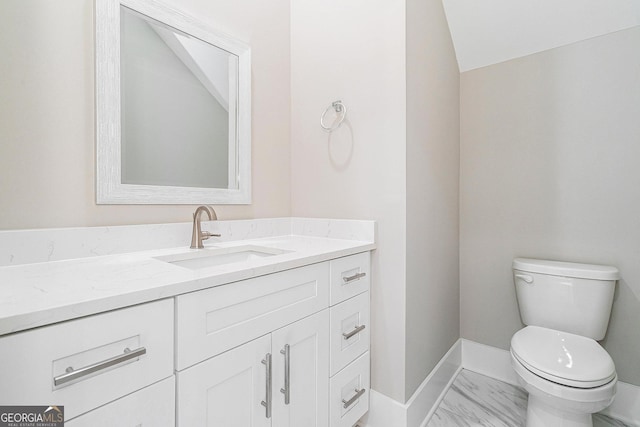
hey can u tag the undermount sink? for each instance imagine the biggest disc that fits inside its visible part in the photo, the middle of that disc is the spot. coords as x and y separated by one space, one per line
204 258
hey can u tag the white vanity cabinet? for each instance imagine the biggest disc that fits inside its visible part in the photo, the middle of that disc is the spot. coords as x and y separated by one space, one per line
288 349
280 379
285 349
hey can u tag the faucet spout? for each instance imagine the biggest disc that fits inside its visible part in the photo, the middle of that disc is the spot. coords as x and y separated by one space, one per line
197 235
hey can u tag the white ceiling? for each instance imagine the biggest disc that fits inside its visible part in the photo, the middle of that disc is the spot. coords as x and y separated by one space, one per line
486 32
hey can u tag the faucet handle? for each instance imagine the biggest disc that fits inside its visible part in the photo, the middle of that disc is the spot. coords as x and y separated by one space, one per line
205 235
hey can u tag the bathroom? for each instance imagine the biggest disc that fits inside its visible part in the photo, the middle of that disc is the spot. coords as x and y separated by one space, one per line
464 167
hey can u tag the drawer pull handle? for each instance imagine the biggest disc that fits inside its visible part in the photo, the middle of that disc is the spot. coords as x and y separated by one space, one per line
357 330
354 277
347 403
267 402
74 374
287 378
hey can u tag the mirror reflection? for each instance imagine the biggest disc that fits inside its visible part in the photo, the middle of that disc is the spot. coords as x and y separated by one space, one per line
178 107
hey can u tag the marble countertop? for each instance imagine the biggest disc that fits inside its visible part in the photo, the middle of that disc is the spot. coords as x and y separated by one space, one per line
38 294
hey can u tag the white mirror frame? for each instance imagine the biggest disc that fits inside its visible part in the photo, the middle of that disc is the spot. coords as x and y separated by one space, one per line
109 186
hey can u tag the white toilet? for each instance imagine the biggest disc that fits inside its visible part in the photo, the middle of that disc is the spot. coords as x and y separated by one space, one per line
566 308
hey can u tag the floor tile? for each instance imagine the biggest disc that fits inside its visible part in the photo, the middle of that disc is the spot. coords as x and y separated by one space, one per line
477 400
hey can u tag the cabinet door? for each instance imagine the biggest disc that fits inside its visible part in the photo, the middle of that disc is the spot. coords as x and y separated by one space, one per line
308 354
226 390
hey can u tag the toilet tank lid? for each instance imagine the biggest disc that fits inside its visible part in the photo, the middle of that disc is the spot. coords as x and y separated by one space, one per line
566 269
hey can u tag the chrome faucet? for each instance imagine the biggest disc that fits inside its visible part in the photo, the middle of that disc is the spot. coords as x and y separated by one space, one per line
197 235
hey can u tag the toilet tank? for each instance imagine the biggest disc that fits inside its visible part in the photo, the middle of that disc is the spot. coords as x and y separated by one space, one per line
565 296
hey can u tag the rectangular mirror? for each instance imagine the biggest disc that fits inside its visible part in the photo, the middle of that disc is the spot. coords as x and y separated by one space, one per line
172 108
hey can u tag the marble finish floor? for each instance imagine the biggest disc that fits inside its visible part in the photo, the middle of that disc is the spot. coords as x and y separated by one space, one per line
477 400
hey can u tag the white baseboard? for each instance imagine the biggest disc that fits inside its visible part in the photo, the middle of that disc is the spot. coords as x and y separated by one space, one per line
496 363
386 412
626 405
428 396
490 361
383 412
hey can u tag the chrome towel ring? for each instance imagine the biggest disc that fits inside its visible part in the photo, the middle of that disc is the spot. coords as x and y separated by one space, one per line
340 109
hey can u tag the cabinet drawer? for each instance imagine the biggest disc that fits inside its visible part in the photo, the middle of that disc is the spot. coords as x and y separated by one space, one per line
34 363
350 388
350 276
153 406
212 321
349 331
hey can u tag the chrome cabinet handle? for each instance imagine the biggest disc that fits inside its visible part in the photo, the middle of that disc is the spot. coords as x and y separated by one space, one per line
357 330
287 369
267 402
354 277
74 374
347 403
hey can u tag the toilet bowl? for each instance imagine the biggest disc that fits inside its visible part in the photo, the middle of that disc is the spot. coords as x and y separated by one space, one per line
568 377
557 358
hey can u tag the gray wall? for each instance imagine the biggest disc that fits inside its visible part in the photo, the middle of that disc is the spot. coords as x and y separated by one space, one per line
550 146
359 170
394 160
433 142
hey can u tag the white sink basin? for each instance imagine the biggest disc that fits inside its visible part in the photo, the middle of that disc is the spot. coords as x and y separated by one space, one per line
204 258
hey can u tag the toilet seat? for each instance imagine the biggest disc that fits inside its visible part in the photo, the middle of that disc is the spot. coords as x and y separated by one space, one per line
565 397
563 358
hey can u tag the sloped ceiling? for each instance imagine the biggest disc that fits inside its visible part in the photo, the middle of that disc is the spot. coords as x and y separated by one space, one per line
486 32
